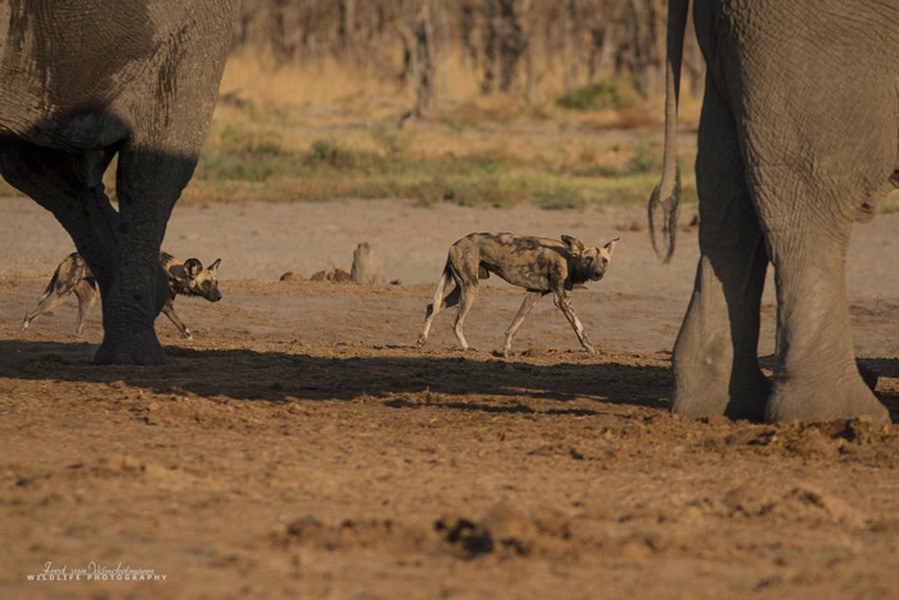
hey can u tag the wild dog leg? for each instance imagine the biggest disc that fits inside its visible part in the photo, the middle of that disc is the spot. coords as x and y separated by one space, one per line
530 300
443 298
169 310
466 299
87 296
563 301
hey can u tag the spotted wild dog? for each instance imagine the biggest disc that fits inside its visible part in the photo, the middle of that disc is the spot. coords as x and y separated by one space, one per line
540 265
187 278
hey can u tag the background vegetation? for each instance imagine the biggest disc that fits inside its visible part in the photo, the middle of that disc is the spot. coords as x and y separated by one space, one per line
469 101
530 48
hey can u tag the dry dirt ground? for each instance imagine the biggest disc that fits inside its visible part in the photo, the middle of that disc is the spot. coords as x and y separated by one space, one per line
301 446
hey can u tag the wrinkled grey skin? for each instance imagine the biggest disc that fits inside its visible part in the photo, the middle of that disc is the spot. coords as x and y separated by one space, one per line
797 140
83 81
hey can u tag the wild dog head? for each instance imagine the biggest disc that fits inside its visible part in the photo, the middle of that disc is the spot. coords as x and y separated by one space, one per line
589 263
199 281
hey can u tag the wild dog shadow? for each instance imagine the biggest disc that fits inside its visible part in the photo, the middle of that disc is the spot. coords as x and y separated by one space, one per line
242 374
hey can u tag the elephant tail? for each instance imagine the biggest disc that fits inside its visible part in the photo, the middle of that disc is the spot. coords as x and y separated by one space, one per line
667 194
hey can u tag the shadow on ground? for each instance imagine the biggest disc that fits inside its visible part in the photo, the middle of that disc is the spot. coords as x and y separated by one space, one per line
243 374
395 376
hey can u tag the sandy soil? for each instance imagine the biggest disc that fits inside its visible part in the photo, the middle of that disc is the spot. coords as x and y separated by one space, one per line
300 446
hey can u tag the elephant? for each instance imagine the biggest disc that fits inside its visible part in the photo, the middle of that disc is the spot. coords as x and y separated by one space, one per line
798 139
84 82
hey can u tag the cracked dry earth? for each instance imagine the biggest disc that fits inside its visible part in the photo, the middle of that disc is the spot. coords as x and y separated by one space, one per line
301 446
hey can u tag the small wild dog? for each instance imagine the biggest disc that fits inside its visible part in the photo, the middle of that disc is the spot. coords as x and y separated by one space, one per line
539 265
187 278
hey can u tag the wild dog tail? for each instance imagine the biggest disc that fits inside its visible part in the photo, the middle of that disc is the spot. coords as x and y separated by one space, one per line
667 194
451 277
50 286
443 298
57 284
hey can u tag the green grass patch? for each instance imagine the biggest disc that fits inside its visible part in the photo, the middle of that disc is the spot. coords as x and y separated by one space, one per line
267 163
598 96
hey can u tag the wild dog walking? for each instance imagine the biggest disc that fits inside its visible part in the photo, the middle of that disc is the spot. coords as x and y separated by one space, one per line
187 278
539 265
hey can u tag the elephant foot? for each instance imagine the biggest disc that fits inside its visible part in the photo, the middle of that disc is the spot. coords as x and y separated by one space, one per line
700 397
130 349
796 399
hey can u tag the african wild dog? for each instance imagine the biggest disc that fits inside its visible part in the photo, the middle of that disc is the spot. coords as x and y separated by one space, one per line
540 265
187 278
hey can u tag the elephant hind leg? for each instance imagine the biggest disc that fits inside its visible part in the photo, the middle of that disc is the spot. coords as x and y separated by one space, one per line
148 183
55 180
816 375
69 186
716 354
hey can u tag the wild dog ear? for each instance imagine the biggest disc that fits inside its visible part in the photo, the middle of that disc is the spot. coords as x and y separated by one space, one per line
214 265
193 267
610 246
574 244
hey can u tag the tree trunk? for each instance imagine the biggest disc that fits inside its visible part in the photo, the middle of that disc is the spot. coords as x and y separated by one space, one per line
569 73
426 28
